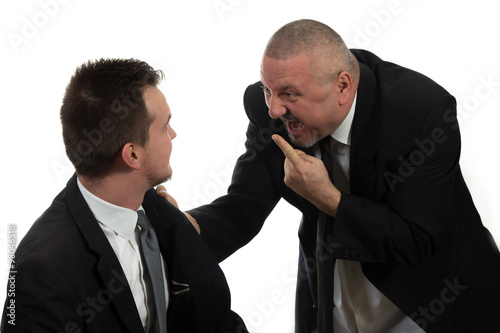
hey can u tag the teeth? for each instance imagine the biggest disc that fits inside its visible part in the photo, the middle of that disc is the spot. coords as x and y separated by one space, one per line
296 125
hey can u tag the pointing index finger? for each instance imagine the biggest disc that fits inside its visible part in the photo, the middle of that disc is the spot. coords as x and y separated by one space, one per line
287 150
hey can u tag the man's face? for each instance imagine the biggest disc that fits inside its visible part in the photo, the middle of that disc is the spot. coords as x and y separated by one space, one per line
307 108
161 134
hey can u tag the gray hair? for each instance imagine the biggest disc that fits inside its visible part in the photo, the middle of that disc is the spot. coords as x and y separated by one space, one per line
327 52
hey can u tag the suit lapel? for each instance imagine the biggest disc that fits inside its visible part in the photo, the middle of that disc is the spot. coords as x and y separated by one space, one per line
162 227
108 267
364 136
161 214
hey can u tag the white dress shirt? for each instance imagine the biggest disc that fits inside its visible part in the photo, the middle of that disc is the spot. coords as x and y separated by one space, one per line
359 306
120 227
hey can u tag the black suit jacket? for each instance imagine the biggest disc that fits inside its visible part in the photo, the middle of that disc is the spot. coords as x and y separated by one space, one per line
409 219
69 279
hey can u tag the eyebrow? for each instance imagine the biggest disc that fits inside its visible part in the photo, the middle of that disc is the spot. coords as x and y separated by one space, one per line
288 87
284 88
168 120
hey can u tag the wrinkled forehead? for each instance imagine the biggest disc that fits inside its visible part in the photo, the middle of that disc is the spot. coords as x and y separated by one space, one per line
284 71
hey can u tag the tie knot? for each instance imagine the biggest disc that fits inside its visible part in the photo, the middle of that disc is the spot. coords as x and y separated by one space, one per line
325 146
142 220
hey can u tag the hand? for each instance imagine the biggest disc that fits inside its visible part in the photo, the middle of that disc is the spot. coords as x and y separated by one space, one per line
307 176
162 192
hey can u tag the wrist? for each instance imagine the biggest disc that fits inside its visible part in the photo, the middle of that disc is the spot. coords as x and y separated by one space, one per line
329 202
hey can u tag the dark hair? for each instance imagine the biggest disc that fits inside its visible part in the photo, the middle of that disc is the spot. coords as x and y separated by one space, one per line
103 109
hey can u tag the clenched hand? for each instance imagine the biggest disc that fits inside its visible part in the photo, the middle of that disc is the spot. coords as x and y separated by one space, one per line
307 176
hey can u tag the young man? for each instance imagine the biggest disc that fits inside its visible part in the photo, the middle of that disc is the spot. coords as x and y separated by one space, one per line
84 266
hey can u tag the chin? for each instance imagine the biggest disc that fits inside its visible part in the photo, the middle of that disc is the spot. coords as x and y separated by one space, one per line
155 180
304 143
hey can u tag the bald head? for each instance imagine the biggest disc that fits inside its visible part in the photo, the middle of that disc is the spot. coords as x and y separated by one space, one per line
327 52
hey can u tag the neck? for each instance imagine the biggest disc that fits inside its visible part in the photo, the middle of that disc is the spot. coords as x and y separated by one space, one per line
116 189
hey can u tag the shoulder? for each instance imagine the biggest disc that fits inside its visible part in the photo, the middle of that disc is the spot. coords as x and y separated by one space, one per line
54 236
256 107
396 82
407 98
410 105
254 96
158 207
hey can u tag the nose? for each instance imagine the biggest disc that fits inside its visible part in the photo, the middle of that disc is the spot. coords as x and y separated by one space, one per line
276 108
171 133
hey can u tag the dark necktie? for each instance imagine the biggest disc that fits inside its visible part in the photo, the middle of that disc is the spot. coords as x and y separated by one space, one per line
324 257
151 254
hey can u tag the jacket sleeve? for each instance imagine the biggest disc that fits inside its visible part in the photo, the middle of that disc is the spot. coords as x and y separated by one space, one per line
231 221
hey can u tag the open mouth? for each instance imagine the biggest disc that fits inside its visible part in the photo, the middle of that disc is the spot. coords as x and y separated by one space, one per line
295 126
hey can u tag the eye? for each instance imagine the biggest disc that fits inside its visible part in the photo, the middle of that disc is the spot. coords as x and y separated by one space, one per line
290 95
266 90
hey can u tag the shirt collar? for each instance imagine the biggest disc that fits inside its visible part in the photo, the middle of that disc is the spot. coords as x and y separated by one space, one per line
121 220
343 133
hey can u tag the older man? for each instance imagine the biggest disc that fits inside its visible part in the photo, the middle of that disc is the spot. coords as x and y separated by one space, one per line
390 240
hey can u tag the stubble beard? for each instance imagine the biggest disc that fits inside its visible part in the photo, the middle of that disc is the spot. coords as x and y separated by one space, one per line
157 179
308 144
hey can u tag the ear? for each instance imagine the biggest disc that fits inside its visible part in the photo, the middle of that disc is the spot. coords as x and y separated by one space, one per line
344 87
130 156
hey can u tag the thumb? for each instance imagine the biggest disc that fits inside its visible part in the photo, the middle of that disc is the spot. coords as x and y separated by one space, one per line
161 191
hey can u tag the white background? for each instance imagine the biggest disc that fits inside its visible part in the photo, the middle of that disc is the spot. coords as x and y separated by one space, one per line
210 51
